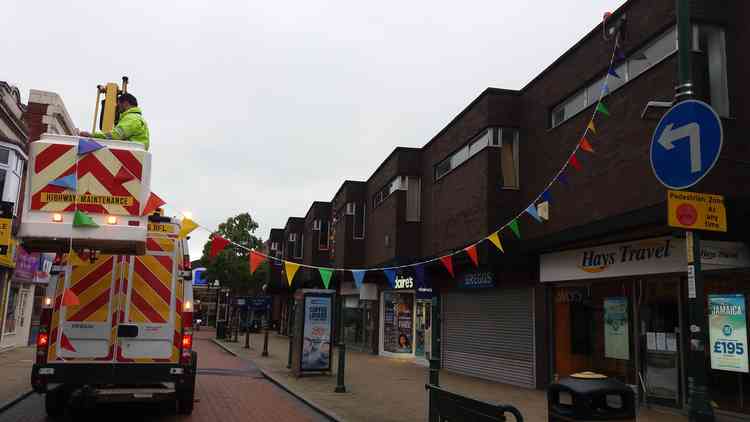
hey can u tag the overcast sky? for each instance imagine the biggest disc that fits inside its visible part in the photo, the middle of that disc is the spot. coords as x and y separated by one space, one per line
267 106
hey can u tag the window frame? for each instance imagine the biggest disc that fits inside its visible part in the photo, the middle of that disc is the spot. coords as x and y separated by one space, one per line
364 223
324 234
490 133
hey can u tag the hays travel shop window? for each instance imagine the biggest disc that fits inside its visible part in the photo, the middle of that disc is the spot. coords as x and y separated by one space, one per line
727 325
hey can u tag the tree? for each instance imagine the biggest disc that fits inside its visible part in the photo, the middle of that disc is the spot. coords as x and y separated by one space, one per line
231 266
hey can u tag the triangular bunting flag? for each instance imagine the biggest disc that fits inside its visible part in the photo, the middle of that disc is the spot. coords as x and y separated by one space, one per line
586 146
188 226
562 178
514 227
495 239
390 274
123 175
325 275
591 128
218 244
574 162
601 108
612 72
70 299
448 263
255 260
605 89
66 344
546 196
81 219
472 252
359 276
291 269
68 182
532 211
543 209
619 55
75 260
152 204
419 275
86 146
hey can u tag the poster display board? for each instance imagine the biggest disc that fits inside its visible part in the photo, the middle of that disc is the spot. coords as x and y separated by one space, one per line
312 331
398 322
616 335
727 326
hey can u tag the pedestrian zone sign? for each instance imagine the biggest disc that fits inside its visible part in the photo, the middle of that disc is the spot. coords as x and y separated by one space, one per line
696 211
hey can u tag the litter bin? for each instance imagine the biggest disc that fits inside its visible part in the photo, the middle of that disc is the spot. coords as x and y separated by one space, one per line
221 329
593 397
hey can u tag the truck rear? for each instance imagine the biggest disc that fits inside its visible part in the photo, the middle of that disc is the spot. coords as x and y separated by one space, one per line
119 327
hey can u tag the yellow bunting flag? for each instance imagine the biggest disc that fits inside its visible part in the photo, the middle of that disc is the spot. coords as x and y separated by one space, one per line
188 226
591 127
291 269
495 239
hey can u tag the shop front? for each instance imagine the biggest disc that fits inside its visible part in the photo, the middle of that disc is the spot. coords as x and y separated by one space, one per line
358 313
488 331
621 310
19 300
405 315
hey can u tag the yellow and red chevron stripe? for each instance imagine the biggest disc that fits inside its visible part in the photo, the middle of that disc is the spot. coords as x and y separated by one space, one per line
93 285
97 175
159 244
152 289
55 323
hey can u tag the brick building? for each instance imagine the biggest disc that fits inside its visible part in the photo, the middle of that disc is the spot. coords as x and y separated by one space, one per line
542 309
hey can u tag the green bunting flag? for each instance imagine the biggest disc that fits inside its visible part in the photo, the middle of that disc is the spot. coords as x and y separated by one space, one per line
82 220
325 274
514 226
601 108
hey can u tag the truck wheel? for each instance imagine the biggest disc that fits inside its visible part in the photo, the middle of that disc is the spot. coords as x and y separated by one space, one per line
55 402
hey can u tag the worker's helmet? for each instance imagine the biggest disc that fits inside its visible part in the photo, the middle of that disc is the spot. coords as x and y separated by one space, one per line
130 98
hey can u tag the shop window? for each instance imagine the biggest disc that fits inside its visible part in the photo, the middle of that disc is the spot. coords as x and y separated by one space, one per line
398 322
509 157
580 328
11 310
710 42
359 221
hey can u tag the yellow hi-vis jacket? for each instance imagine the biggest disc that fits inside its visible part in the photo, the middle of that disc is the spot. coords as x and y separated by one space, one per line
131 127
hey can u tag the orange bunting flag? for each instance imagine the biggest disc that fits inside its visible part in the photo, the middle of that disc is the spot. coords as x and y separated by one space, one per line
255 260
152 204
70 299
574 162
218 244
586 146
448 263
472 252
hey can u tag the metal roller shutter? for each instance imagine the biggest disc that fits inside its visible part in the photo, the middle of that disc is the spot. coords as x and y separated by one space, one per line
490 334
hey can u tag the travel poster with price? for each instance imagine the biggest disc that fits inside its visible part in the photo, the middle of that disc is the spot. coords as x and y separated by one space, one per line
727 320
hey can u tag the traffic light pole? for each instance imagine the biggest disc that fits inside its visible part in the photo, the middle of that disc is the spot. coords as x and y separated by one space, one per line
699 403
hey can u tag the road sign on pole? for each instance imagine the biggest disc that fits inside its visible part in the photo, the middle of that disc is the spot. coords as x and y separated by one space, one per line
686 144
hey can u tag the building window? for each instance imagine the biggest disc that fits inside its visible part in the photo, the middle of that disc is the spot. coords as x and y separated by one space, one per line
316 225
413 199
509 158
359 221
298 246
324 235
350 207
11 172
398 183
483 140
637 63
292 237
710 42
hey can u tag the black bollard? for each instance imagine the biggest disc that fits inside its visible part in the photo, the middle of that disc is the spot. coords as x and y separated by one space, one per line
289 362
340 387
435 372
247 339
265 343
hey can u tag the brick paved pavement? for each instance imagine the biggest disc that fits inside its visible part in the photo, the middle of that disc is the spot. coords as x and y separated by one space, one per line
390 390
15 372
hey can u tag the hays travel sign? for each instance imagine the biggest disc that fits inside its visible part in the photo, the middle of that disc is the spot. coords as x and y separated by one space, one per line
649 256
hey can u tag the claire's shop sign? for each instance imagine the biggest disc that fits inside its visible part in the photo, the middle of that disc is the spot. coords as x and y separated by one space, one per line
649 256
477 280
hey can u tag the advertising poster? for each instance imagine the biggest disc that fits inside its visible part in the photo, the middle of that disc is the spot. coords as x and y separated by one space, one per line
727 326
397 322
316 342
616 336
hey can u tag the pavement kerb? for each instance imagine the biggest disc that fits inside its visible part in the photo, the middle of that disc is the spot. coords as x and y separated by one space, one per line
9 404
328 414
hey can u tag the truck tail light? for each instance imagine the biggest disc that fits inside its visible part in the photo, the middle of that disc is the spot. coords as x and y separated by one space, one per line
187 333
187 341
42 338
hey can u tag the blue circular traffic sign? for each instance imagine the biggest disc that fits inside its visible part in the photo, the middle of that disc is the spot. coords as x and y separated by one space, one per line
686 144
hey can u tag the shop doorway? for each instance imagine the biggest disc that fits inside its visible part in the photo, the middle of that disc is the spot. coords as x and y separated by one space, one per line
661 342
422 329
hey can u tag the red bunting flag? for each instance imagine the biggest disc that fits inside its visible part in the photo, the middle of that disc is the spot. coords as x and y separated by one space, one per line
472 252
575 163
255 260
70 299
448 263
586 146
218 244
152 204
